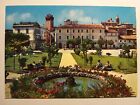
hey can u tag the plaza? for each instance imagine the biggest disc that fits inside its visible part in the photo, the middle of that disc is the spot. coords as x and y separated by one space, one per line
68 60
72 57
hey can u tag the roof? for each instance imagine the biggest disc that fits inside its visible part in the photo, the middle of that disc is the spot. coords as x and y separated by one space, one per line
99 26
33 24
111 31
128 37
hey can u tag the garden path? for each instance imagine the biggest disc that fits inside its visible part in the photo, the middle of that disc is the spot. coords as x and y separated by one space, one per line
7 85
67 59
131 79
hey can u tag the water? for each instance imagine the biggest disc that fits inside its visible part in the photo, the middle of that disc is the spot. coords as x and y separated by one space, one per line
82 84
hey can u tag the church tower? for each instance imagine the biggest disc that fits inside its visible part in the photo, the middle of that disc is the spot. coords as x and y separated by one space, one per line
117 20
49 22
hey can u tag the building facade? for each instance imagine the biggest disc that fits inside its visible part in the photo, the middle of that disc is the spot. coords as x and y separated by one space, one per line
72 30
29 28
112 31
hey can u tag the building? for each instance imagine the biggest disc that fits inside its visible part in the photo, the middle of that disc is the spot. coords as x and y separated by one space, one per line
72 30
125 32
29 28
49 29
112 31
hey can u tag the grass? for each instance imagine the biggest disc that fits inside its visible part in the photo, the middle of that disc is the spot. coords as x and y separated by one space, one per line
36 57
128 64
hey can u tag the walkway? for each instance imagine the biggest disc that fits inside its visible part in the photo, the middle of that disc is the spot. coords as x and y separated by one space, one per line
7 85
131 80
67 59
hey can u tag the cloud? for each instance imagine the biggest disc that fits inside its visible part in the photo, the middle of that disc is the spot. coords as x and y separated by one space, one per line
24 16
11 18
16 17
78 15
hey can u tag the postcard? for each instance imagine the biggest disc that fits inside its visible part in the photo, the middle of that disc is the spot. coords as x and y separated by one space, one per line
66 54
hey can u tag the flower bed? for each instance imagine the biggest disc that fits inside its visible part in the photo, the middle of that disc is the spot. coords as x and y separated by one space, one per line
31 85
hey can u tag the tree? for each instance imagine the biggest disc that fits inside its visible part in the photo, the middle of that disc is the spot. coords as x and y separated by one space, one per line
44 58
71 43
84 49
90 60
29 50
77 41
16 42
101 42
52 51
110 42
77 51
126 50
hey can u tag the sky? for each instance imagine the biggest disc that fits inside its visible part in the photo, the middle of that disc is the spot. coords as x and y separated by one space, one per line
82 14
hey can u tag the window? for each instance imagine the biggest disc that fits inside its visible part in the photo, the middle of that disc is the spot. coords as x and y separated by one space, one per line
67 31
87 31
92 37
18 30
78 31
73 31
59 31
67 37
82 37
120 40
78 36
27 31
100 31
81 30
73 37
59 37
92 31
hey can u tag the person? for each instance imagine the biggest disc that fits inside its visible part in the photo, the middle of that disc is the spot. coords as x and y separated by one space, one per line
99 64
107 66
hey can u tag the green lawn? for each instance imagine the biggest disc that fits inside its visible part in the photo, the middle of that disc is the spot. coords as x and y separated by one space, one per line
36 57
128 64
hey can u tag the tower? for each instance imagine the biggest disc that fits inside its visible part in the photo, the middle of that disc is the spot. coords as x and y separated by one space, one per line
49 22
117 19
49 28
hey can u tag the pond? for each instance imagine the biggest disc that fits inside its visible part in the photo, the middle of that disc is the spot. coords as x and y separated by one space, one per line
82 87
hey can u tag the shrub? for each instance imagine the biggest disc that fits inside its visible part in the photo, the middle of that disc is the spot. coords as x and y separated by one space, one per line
108 54
91 53
22 62
77 51
90 60
44 58
120 65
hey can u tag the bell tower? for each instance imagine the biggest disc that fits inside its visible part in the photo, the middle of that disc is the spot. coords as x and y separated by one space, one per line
49 22
117 20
